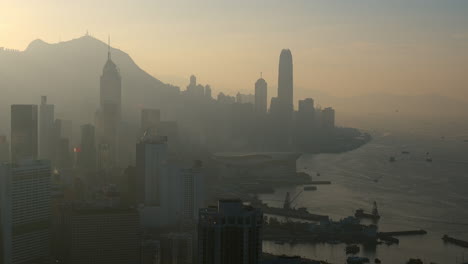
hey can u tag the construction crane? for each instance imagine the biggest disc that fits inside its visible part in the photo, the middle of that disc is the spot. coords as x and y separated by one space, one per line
288 201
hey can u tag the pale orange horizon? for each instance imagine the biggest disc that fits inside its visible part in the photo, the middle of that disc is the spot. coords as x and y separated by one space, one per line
396 47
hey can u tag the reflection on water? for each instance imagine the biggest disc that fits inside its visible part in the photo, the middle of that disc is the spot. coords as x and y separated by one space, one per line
411 193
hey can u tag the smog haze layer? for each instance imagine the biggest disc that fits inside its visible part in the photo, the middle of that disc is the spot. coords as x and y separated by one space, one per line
343 49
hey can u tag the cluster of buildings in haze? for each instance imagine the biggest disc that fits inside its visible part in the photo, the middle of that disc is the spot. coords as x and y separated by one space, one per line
139 194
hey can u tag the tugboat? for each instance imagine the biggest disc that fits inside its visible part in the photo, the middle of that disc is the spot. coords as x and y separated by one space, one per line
374 215
352 249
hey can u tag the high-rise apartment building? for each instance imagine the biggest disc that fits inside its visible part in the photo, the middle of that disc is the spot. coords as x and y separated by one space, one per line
24 136
230 234
46 127
25 199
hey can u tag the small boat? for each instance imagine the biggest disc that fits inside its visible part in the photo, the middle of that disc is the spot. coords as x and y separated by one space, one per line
405 152
376 180
429 159
392 159
318 174
356 260
310 188
352 249
279 242
377 261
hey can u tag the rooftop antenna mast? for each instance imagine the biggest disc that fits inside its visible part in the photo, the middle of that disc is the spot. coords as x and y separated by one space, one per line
108 47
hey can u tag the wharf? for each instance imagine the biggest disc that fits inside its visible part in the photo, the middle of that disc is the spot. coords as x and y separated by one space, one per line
404 233
455 241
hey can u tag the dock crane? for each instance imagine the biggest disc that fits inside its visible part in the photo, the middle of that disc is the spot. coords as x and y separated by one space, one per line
288 201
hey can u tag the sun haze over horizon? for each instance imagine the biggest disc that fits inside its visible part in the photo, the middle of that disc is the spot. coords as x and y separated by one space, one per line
343 49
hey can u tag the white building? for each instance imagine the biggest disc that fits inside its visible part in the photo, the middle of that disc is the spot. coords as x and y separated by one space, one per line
25 191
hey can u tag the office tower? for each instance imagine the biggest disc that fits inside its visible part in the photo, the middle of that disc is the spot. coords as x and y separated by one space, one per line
208 92
285 81
23 132
230 234
63 159
25 197
328 118
61 135
193 192
306 110
261 91
108 116
95 235
87 149
151 165
4 149
46 126
150 119
176 248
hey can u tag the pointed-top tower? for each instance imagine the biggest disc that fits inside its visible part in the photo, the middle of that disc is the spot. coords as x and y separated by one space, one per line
109 114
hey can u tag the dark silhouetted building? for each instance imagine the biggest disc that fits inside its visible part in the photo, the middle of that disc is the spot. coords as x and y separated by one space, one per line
109 114
97 235
46 127
208 92
87 150
25 200
285 81
176 248
230 234
328 118
4 149
261 95
24 137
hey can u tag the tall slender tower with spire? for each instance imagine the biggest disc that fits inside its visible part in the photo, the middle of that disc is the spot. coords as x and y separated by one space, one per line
109 113
285 81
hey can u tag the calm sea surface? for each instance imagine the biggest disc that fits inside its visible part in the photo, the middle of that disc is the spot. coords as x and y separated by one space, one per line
411 194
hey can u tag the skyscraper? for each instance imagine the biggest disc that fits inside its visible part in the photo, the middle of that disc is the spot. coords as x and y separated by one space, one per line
261 96
153 181
285 81
109 113
150 119
87 149
4 149
151 162
192 191
328 118
46 126
25 197
23 132
230 234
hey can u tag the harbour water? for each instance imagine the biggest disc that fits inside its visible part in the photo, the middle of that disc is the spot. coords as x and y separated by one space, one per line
411 193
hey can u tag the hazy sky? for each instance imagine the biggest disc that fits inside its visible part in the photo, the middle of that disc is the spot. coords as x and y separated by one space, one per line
339 47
